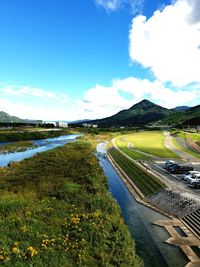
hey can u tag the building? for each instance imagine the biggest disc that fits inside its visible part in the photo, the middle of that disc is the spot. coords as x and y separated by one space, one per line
87 125
61 124
58 124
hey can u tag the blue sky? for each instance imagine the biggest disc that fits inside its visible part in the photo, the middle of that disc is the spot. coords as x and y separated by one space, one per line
76 59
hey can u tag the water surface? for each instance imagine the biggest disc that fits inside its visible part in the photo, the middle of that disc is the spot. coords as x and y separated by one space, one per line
149 238
43 145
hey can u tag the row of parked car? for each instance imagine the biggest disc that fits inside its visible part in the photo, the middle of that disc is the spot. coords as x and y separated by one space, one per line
189 176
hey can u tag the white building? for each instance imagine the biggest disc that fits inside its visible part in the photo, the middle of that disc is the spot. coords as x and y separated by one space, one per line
61 124
58 124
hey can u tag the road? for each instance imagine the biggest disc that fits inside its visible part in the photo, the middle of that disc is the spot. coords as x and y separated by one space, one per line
182 154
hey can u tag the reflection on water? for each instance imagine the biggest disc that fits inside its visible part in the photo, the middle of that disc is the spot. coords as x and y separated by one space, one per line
43 145
149 238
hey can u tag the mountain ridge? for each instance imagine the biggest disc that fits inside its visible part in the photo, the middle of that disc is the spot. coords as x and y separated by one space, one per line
147 113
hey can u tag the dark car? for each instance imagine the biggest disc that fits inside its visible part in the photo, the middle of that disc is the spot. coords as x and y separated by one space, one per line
172 166
168 163
181 168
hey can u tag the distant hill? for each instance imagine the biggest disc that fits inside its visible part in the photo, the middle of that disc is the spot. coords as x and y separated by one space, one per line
78 121
192 116
181 108
5 117
141 113
189 116
148 113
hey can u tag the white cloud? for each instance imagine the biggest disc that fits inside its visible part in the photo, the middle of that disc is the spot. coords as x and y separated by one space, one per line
109 4
98 102
29 111
33 92
112 5
194 15
168 43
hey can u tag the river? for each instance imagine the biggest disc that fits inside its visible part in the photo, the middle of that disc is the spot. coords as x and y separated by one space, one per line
149 238
43 145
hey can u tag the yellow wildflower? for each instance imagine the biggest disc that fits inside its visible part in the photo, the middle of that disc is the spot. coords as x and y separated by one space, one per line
32 251
15 250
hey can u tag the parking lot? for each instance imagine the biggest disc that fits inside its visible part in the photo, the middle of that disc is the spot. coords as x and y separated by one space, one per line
174 180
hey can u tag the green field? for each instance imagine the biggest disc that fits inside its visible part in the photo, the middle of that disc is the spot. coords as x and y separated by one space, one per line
55 210
146 183
122 145
195 136
149 142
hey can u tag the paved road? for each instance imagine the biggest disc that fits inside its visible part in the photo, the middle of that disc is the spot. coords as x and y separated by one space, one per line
182 154
173 180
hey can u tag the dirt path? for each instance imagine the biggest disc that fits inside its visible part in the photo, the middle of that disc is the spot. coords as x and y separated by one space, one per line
184 155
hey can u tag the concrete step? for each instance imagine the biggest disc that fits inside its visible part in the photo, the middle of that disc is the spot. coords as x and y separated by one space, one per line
190 223
194 220
195 216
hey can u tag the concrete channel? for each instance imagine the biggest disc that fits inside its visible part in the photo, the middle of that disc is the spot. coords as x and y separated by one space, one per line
185 242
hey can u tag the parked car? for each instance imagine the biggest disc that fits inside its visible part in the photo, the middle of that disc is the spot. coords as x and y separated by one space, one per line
170 165
178 169
195 181
168 162
188 174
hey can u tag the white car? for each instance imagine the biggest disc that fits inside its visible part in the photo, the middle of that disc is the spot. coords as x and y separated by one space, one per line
188 175
193 178
195 182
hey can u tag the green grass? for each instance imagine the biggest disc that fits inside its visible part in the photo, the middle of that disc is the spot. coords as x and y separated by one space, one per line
181 134
147 183
27 135
150 142
55 210
122 144
195 137
195 154
17 146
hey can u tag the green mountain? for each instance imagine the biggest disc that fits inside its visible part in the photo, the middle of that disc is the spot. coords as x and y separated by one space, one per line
140 114
183 117
192 116
148 113
5 117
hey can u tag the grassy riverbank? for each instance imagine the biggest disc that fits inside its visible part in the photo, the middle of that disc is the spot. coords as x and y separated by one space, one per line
55 210
145 182
18 146
27 135
128 149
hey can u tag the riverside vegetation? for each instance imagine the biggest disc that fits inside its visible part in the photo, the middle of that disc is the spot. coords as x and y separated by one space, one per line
18 146
55 210
29 135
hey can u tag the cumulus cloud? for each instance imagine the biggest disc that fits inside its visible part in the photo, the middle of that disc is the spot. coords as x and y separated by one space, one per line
33 92
194 16
112 5
102 101
40 112
168 43
97 102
